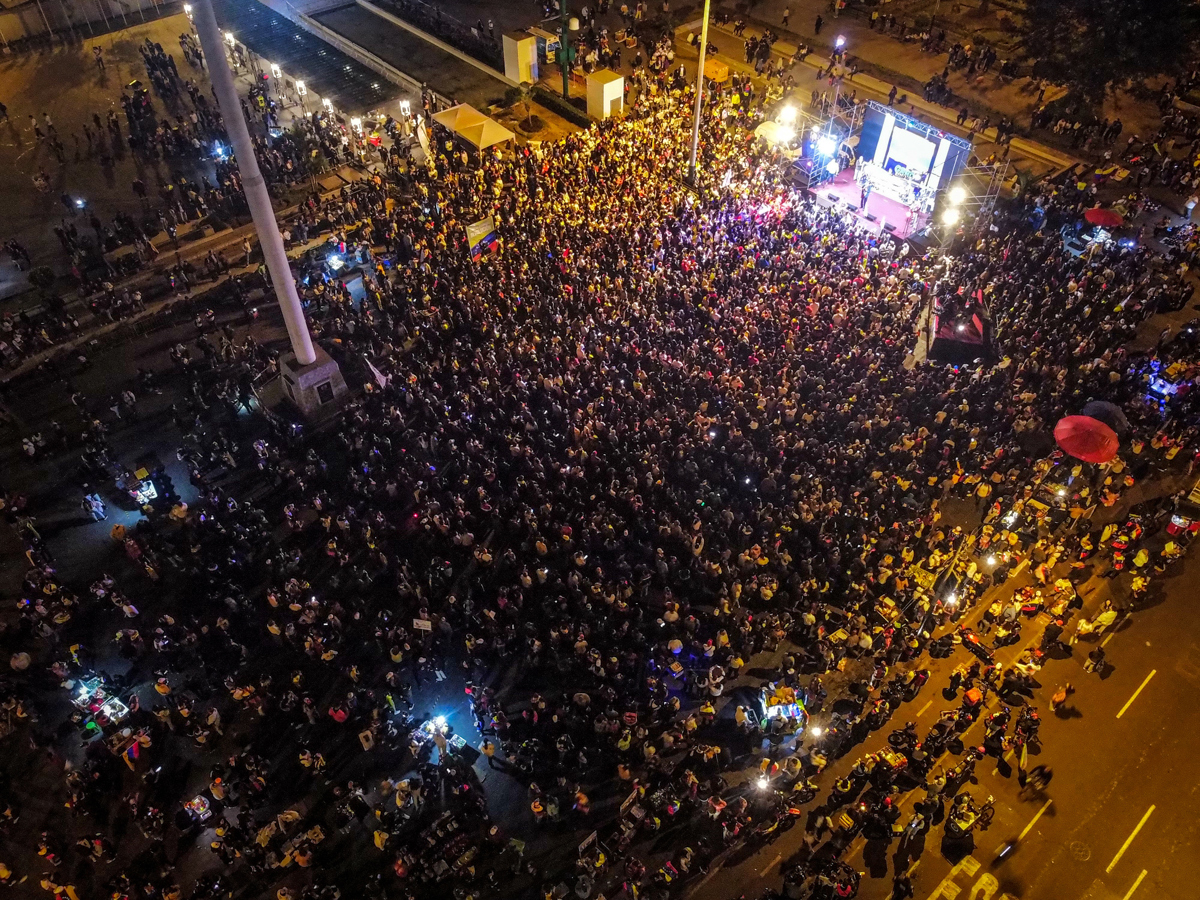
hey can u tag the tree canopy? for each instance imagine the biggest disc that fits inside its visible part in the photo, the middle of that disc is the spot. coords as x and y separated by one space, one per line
1098 45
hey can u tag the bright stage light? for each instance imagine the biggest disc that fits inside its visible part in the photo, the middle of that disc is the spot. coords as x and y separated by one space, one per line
958 195
950 216
787 115
826 145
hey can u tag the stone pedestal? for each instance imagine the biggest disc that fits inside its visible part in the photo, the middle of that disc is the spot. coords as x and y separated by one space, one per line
605 94
316 388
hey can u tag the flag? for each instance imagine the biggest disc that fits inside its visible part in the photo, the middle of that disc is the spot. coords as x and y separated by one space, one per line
379 376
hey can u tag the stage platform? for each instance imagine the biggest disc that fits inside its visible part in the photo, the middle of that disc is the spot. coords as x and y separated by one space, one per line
881 212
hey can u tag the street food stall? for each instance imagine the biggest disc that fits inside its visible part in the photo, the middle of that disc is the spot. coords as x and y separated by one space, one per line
1185 517
138 485
97 704
782 701
199 808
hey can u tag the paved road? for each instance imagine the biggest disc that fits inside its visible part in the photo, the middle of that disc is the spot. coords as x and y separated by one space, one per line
1080 840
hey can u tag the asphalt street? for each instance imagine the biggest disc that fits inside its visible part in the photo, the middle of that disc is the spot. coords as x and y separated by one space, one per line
1118 819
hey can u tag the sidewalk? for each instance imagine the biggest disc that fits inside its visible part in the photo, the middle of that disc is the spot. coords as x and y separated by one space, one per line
908 66
1038 157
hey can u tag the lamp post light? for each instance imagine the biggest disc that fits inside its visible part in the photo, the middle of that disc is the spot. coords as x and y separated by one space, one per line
699 96
301 92
567 25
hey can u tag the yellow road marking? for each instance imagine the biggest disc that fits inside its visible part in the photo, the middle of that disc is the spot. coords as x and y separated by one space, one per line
1129 840
1135 693
1129 893
1033 821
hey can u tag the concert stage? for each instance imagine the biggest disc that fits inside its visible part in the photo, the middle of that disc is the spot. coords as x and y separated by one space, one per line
882 213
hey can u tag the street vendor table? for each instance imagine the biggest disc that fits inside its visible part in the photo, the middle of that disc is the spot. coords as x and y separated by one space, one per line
199 808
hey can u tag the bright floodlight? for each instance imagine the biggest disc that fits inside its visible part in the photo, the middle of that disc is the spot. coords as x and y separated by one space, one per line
826 145
787 115
229 38
276 72
187 8
815 731
301 88
958 195
763 783
950 216
785 134
840 42
991 560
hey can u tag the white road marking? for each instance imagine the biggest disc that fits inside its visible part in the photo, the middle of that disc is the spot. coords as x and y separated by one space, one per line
1135 693
1129 840
921 711
773 863
1033 821
1129 893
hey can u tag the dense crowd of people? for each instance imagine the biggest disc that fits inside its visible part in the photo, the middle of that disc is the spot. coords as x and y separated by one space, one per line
592 475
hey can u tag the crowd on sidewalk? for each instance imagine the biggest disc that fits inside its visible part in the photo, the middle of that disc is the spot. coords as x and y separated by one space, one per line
655 434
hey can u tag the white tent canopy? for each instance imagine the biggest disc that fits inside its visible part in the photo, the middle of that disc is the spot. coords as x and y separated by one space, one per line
473 126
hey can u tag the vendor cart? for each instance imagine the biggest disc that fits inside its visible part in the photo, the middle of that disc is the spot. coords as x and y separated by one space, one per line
199 809
782 701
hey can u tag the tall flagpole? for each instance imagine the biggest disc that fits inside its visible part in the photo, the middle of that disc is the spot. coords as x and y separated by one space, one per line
699 96
253 184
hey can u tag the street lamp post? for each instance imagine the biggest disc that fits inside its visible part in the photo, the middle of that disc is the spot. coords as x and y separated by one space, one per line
699 96
566 26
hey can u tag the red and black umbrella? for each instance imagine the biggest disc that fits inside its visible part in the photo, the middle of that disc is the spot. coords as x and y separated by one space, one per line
1105 218
1086 438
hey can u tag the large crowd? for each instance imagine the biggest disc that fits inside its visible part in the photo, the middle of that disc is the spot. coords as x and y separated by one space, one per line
660 432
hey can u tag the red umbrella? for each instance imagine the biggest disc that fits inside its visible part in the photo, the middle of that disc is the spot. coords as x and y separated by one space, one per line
1105 218
1086 438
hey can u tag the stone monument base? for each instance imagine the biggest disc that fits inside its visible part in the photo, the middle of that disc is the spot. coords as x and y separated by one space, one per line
315 389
